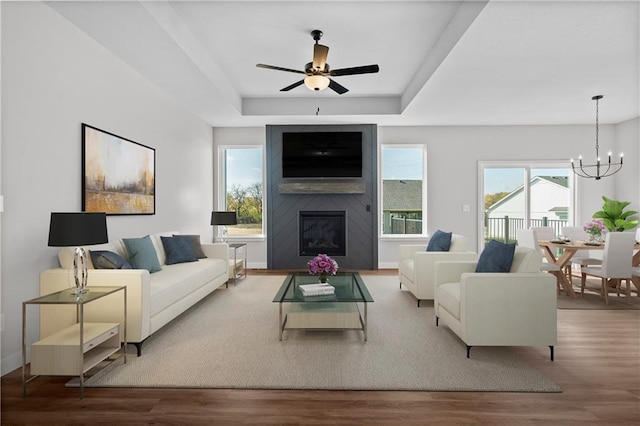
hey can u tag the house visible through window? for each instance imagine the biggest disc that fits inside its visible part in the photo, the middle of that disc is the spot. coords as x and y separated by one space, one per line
529 194
243 188
402 189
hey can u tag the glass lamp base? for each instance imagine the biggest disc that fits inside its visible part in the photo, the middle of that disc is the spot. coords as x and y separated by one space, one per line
222 234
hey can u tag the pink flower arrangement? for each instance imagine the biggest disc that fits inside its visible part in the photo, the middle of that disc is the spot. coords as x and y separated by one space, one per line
595 228
323 265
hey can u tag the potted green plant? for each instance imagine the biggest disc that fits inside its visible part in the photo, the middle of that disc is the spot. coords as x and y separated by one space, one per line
614 217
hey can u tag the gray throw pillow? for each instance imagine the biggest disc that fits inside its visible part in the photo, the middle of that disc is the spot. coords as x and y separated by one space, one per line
178 250
194 241
104 259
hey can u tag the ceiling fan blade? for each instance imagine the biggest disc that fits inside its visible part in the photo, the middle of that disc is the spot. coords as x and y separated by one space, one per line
365 69
293 86
338 88
320 53
271 67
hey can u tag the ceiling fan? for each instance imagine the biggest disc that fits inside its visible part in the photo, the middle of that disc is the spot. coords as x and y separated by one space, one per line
318 71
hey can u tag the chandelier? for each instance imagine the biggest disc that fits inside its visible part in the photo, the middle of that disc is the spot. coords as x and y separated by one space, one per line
601 170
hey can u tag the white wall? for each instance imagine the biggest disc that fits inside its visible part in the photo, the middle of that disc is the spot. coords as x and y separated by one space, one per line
256 246
54 77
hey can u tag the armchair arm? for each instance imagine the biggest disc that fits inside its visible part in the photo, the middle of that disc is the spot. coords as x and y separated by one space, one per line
451 271
508 308
425 267
216 250
108 309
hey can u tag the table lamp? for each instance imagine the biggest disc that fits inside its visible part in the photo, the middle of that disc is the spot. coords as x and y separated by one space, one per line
78 229
222 219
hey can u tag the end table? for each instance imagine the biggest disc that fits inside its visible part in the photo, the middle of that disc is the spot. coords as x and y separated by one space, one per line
76 349
238 267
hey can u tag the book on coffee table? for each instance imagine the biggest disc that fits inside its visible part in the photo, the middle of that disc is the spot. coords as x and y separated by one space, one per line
320 289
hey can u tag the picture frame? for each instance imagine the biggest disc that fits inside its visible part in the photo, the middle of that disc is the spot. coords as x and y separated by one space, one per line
118 174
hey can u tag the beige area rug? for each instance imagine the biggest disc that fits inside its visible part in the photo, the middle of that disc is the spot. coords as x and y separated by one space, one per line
230 340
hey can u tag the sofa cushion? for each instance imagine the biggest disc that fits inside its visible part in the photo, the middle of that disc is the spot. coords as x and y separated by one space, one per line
439 241
142 253
496 257
448 295
105 259
194 241
177 250
177 281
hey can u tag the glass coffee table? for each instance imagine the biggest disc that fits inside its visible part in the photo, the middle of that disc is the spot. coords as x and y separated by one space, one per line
339 311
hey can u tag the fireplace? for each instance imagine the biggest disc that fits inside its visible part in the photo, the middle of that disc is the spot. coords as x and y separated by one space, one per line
322 232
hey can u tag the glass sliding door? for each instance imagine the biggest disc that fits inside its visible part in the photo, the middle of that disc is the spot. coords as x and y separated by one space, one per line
550 199
505 202
524 194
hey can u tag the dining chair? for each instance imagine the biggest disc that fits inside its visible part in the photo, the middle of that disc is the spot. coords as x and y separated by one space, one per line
528 238
543 232
636 269
617 264
635 272
581 257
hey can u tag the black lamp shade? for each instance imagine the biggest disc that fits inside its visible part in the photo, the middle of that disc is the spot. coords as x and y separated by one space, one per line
224 218
77 229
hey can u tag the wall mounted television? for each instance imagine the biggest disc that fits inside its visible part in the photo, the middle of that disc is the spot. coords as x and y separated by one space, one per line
322 155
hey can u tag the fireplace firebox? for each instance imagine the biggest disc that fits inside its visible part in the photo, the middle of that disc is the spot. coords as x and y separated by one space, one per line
322 232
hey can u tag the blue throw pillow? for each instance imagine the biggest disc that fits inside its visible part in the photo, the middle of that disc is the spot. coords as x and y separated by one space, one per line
104 259
178 250
142 254
496 257
439 241
194 241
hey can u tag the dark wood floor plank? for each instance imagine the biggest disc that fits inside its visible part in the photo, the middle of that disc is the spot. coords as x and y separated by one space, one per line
597 366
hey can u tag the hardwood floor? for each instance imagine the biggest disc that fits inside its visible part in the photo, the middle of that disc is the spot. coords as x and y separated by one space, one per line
597 366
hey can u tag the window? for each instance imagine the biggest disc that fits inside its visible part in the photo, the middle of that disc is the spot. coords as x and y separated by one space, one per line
241 188
403 189
523 195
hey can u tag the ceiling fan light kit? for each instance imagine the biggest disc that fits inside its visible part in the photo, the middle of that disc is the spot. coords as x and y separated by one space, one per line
316 82
598 170
318 72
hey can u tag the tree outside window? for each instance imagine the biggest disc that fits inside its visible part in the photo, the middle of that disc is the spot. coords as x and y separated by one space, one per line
243 191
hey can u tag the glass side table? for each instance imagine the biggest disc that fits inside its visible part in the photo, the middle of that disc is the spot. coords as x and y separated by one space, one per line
238 267
76 349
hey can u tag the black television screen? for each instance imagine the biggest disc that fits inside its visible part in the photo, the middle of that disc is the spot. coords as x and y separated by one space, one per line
322 155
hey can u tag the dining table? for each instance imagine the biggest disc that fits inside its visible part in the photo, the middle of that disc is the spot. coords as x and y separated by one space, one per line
569 249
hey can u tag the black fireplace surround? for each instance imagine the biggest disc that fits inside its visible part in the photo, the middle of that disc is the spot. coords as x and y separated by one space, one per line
353 198
322 232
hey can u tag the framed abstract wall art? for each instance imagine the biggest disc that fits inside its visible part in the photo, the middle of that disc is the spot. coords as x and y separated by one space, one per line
118 174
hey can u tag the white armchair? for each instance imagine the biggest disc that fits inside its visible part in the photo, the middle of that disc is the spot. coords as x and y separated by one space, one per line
518 308
416 267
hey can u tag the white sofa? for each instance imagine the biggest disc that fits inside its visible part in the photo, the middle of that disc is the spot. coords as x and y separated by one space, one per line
153 299
517 308
416 266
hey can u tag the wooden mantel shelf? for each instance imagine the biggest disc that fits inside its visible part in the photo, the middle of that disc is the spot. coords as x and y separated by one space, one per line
323 187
